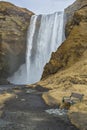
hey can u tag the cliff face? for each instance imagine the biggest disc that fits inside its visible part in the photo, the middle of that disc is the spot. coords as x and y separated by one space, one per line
78 5
75 45
67 70
14 22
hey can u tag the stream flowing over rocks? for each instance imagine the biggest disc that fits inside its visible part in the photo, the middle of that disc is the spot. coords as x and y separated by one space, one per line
26 111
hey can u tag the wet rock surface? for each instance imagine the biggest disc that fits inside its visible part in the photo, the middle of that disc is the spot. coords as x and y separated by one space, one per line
26 111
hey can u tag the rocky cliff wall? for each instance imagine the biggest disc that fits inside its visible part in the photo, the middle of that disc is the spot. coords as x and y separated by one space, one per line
75 44
14 22
77 5
67 70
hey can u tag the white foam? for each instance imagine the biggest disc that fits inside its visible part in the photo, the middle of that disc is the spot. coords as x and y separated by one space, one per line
45 35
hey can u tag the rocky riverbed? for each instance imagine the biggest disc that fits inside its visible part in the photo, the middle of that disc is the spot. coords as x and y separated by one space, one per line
25 110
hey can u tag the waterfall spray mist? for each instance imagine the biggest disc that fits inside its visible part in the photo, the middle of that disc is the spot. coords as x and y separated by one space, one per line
45 35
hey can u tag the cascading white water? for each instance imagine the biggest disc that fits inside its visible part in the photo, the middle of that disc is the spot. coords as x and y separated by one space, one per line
45 35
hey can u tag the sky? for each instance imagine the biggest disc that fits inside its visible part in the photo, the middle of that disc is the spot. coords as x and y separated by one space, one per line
42 6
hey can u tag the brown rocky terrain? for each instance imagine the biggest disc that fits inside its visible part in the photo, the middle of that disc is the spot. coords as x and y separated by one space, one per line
75 45
67 70
78 4
14 22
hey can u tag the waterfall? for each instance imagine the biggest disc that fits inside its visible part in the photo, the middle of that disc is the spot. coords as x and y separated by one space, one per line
45 35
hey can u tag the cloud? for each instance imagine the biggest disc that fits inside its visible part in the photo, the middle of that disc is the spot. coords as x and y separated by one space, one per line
42 6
